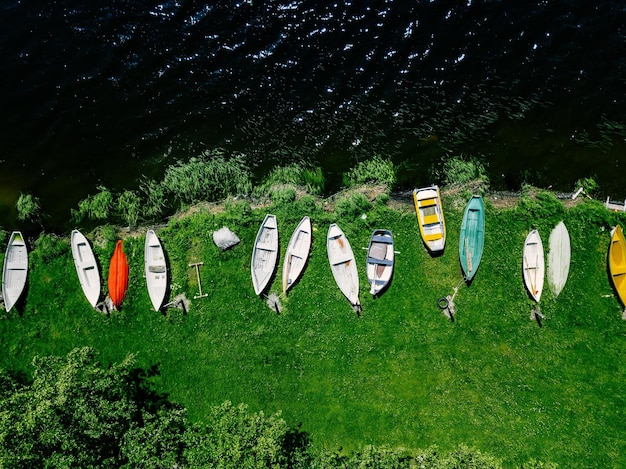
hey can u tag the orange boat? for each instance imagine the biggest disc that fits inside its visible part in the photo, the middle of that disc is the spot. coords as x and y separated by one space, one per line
617 263
118 275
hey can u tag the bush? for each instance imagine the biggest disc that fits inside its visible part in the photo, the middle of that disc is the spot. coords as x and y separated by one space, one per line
49 246
153 197
589 185
543 206
308 177
373 171
209 177
28 208
284 196
352 206
95 207
461 170
129 206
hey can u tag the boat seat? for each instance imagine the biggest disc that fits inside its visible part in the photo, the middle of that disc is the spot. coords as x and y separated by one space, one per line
373 260
266 246
156 269
381 239
433 237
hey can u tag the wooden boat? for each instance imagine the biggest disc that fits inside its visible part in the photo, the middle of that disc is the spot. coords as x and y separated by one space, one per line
430 218
14 270
264 254
533 265
118 275
559 257
155 269
380 259
617 264
297 253
86 267
343 265
472 239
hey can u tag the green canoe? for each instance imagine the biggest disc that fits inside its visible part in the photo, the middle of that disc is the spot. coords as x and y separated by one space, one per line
472 238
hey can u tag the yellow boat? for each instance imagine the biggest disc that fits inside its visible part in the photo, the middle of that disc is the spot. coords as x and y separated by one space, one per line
617 264
430 218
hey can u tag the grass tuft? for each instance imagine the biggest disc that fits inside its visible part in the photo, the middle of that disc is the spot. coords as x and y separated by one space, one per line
373 171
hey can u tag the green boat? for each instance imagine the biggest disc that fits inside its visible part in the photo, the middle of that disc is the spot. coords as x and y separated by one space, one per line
472 239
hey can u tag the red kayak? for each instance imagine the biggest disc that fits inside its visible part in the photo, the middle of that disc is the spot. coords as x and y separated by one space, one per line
118 275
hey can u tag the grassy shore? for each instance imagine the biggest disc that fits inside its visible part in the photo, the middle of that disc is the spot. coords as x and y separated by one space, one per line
402 374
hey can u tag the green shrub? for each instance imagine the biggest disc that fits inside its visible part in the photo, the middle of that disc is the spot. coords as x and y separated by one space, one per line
461 170
352 206
129 206
28 207
210 177
96 207
154 198
373 171
308 177
237 209
544 207
589 185
283 196
49 246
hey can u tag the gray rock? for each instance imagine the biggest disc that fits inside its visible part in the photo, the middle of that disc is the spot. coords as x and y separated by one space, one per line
225 239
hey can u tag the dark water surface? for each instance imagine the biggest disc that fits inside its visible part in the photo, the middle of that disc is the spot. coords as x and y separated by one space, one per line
106 92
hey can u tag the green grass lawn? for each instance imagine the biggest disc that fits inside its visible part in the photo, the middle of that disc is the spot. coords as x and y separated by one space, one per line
402 374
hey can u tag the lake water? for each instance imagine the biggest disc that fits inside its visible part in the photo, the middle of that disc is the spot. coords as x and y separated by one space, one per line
110 92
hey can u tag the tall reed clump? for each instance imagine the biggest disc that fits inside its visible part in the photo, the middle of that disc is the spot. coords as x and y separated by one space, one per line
28 208
96 207
211 176
129 207
462 170
301 175
373 171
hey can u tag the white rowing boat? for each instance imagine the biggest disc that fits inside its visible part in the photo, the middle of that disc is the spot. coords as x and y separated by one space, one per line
155 269
533 265
86 267
14 270
380 259
558 258
297 253
264 254
343 265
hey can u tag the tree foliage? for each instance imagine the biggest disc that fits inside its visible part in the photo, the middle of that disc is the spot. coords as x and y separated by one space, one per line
76 413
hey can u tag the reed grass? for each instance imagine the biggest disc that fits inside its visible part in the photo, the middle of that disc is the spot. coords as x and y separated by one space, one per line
462 170
298 175
97 207
402 375
129 207
375 170
28 208
210 176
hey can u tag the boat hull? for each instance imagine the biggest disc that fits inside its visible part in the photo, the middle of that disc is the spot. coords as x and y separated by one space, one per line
342 264
264 254
559 257
533 265
86 267
14 270
380 261
430 218
617 263
155 269
472 238
118 275
297 253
